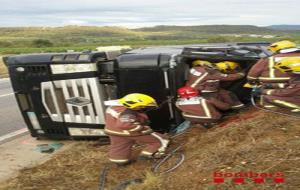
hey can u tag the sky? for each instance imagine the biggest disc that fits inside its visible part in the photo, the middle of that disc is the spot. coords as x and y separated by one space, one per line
139 13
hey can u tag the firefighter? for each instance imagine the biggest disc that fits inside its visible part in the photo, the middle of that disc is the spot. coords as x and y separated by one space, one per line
206 77
263 72
287 97
128 124
198 109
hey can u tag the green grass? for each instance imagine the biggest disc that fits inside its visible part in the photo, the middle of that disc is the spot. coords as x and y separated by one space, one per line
80 37
82 47
20 40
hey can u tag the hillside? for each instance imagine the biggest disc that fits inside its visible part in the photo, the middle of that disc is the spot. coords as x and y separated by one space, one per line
253 141
61 36
285 27
213 29
107 31
49 39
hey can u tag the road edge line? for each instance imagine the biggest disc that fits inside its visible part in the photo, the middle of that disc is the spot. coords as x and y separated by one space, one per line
4 79
13 135
4 95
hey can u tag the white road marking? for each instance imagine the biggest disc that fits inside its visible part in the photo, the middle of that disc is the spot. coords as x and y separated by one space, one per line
6 95
8 136
4 80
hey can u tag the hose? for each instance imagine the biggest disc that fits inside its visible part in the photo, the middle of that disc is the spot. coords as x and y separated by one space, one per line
180 160
103 175
177 134
160 105
254 104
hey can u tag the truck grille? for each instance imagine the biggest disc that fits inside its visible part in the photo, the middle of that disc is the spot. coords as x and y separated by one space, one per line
74 100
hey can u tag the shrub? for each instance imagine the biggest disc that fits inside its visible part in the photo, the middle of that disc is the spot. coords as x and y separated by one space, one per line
42 43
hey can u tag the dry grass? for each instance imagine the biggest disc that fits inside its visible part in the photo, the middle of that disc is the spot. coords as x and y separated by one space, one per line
252 141
150 182
3 69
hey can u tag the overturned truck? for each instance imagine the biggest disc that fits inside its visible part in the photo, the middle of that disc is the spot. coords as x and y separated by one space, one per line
62 95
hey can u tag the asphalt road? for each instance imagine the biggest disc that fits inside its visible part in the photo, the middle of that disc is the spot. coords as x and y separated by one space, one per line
10 116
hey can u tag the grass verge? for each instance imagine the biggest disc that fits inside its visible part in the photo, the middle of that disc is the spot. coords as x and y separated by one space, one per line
251 141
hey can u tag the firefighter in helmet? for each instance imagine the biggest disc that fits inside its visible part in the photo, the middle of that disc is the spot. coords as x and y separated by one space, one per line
287 97
264 73
127 124
206 77
198 109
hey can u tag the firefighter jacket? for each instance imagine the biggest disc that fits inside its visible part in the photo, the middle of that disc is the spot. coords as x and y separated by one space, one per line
264 72
198 109
288 97
208 79
224 96
121 121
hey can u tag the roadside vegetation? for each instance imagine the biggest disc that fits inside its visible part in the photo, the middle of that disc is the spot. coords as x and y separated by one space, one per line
252 141
58 39
3 69
19 40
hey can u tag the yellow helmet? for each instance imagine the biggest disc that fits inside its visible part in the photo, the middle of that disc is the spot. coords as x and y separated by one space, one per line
227 66
201 63
275 47
137 101
289 64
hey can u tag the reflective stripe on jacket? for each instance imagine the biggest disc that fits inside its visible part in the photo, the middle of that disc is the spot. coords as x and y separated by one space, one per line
208 79
121 121
200 109
264 71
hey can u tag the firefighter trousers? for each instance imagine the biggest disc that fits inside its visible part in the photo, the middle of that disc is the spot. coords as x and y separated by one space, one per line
120 148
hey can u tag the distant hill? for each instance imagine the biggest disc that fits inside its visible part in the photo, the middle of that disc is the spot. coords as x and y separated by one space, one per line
284 27
65 32
89 37
215 29
63 36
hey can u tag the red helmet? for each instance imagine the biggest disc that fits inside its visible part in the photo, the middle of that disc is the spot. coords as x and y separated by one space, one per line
187 92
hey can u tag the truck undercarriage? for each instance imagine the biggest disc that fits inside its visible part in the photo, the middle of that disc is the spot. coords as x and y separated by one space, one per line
62 95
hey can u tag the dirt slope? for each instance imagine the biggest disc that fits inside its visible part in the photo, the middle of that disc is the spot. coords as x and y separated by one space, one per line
252 141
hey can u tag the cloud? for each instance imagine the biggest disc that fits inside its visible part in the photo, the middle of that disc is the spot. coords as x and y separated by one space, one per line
134 13
74 22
